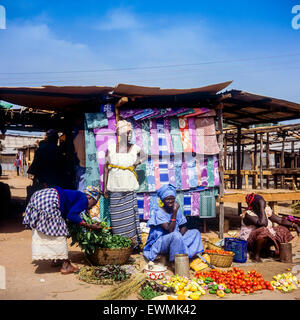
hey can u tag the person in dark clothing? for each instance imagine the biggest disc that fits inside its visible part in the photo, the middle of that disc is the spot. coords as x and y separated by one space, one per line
48 166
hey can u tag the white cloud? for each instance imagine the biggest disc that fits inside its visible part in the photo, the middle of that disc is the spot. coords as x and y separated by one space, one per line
119 19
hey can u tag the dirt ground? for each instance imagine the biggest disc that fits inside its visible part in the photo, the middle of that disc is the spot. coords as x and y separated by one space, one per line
27 280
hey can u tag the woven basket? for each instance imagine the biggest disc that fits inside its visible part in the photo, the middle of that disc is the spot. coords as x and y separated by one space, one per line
103 256
211 246
221 260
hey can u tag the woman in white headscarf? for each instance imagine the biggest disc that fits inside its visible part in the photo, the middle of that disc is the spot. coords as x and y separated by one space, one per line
120 183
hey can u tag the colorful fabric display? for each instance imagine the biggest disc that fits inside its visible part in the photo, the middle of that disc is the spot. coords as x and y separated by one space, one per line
198 112
126 113
140 205
154 139
216 170
187 204
185 112
91 177
96 120
167 127
185 135
191 170
195 199
145 113
175 134
152 115
138 134
146 137
185 185
150 173
177 164
206 136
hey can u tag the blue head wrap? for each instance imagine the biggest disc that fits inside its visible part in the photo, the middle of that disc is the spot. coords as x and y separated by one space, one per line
166 191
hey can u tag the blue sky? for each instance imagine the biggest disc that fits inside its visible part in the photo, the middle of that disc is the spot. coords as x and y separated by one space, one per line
171 44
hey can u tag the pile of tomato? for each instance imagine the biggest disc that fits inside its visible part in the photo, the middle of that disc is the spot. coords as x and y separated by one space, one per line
237 280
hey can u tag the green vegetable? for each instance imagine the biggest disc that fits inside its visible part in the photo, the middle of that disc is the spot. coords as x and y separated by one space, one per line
89 240
215 287
212 291
227 290
147 293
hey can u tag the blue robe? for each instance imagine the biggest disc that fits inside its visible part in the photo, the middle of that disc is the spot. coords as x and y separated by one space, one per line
161 242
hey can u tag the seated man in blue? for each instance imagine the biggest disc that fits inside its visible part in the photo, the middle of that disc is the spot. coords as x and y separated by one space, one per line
168 232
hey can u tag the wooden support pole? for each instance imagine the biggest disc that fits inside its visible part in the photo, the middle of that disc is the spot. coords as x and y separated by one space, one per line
221 162
268 158
225 152
282 163
238 165
261 162
293 154
255 160
238 159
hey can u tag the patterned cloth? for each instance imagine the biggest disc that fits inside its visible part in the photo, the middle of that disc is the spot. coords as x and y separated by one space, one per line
42 213
185 135
206 135
91 176
175 134
124 215
96 120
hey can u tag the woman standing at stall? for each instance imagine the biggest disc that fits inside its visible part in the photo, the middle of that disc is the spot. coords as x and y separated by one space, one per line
120 183
46 214
257 227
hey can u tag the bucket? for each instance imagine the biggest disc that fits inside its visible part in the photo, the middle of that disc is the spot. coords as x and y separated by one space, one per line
182 265
285 252
239 247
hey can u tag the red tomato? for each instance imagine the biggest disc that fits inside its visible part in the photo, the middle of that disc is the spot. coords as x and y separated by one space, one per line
267 283
251 290
238 290
270 287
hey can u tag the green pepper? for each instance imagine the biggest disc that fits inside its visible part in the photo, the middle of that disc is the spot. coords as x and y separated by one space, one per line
227 290
212 291
215 287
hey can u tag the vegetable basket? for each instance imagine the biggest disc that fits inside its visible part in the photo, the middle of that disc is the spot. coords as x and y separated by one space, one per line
104 256
221 260
211 246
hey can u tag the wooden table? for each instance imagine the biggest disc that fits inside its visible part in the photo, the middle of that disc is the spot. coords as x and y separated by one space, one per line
272 196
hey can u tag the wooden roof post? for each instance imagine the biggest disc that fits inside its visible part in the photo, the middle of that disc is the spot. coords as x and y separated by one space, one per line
238 165
261 162
255 159
221 168
268 158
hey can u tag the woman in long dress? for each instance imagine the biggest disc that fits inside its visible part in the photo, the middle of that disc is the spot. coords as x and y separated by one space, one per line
46 214
120 183
168 231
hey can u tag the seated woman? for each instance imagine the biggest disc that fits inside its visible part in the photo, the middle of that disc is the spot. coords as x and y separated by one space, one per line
168 232
257 227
